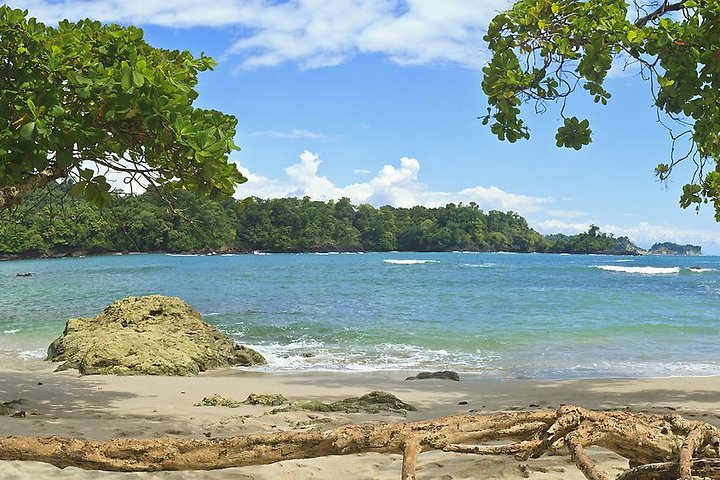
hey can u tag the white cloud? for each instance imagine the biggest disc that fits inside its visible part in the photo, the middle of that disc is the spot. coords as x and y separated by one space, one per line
561 226
311 33
644 234
392 185
294 134
568 214
361 171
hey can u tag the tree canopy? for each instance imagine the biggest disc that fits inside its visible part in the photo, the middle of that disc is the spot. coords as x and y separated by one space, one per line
543 50
53 225
83 99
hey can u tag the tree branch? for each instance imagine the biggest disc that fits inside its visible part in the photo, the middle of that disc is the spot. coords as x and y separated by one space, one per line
12 195
661 10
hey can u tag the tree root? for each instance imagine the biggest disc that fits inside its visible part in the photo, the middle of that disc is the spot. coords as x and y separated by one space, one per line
656 446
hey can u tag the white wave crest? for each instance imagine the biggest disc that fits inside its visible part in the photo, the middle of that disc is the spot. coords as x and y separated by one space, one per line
33 354
10 332
477 265
640 270
408 262
701 269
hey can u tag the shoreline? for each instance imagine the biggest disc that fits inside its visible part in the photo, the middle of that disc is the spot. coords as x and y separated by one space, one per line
10 257
101 407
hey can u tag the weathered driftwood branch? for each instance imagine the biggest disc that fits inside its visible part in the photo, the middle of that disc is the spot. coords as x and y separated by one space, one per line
656 446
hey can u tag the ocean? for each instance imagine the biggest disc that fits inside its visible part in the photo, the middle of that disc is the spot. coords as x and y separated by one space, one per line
490 314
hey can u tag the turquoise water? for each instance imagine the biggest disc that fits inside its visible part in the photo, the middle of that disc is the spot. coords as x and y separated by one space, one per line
500 315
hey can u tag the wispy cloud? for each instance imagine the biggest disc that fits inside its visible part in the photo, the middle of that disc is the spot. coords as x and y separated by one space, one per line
361 171
398 185
294 134
309 33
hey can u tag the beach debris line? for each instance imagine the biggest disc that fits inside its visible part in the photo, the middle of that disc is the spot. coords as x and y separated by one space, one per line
656 446
151 335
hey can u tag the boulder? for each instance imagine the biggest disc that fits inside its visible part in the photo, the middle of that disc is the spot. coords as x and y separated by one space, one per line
445 374
152 335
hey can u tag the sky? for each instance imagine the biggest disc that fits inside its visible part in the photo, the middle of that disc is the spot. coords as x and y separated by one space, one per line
377 100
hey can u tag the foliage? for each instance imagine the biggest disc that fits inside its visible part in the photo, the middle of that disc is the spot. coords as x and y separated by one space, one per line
542 50
147 223
83 99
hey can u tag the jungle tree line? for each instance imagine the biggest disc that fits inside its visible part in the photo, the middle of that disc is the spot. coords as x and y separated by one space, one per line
185 222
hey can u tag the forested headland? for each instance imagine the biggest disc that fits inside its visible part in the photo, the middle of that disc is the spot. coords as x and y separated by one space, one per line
58 225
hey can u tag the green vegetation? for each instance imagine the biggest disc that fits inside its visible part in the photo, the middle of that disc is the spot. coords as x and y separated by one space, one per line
84 99
670 248
543 50
185 222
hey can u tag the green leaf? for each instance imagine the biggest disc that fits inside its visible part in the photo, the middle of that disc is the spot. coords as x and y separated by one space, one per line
64 158
27 131
138 78
126 79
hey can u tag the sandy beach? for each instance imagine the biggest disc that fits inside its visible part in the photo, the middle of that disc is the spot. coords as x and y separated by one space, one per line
102 407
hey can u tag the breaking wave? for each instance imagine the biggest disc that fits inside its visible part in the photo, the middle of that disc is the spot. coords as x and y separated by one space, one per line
640 270
408 262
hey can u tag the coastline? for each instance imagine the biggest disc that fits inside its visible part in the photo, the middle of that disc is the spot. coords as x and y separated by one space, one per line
80 253
7 257
101 407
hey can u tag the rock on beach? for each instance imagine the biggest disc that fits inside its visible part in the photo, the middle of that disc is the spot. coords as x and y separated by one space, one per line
150 335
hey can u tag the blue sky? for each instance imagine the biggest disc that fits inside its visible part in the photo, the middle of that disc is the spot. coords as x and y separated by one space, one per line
378 100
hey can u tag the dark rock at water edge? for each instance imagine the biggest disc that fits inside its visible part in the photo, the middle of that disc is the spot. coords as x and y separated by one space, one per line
445 374
152 335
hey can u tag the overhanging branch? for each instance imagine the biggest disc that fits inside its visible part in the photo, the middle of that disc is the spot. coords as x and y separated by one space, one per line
659 12
12 195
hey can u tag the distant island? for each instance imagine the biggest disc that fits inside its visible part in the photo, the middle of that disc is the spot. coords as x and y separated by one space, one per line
180 222
669 248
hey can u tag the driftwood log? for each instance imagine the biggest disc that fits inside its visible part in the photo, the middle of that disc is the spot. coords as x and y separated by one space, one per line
656 446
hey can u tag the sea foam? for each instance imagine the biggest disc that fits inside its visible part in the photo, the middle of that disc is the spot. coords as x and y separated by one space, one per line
408 262
701 269
640 270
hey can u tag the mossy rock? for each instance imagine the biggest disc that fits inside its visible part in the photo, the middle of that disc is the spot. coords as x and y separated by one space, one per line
218 401
8 408
271 399
307 406
373 402
152 335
